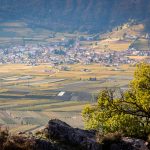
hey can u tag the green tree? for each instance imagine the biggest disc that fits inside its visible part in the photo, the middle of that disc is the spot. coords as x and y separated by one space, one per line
128 113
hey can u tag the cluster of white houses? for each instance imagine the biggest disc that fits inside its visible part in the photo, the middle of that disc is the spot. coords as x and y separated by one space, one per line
34 54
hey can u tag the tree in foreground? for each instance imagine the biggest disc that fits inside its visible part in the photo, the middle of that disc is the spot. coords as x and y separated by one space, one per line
129 113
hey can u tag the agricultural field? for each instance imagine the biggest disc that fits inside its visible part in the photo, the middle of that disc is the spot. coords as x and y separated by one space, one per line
31 95
19 32
120 39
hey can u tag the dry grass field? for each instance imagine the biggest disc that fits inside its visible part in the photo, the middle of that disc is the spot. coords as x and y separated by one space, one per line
119 40
95 70
139 58
34 78
29 94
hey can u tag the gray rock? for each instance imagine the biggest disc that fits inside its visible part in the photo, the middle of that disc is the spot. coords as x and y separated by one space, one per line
61 132
137 144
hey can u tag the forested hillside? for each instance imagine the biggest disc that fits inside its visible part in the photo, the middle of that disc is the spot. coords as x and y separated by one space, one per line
72 15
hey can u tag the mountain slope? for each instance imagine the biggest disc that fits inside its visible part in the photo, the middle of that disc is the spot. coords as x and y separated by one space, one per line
70 15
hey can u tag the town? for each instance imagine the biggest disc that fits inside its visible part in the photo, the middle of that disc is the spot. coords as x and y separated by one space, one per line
67 52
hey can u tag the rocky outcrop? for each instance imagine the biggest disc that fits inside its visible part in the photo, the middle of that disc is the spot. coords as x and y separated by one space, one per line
63 133
85 140
137 144
60 136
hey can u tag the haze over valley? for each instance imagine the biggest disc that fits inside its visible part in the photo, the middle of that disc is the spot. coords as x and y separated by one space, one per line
57 55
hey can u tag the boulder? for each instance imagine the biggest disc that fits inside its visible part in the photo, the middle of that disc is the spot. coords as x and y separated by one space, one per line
61 136
137 144
63 133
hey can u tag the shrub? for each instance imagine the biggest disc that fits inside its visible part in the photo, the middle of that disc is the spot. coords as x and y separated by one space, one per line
8 142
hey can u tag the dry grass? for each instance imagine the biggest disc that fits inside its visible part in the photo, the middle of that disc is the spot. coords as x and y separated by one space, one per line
115 40
112 44
21 128
41 110
138 57
95 71
135 30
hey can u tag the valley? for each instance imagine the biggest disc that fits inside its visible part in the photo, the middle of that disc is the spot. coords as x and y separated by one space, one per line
46 74
74 74
29 96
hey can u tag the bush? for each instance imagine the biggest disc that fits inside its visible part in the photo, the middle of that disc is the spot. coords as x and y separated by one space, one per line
109 138
8 142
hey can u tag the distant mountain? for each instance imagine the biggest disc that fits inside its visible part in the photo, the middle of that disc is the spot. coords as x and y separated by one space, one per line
80 15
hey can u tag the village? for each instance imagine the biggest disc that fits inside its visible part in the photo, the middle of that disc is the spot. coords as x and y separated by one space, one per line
65 52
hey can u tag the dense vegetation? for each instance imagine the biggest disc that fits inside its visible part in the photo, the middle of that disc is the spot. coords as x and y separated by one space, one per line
128 113
70 15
